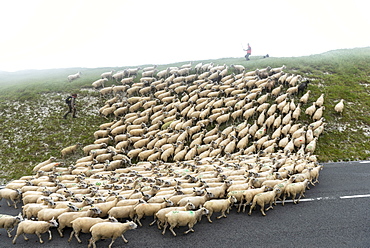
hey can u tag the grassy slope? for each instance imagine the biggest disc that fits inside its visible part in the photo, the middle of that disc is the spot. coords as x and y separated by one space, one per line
31 104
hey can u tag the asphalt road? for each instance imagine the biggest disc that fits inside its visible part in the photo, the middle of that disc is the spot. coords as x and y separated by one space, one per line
335 213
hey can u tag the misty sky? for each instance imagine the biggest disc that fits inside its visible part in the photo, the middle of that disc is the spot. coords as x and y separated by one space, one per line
42 34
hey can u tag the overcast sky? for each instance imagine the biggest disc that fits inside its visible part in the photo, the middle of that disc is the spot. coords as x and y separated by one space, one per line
42 34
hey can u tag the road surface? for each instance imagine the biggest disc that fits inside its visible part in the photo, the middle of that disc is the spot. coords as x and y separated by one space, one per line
335 213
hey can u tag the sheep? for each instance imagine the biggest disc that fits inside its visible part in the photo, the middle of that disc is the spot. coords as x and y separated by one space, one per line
293 189
183 218
48 161
219 205
339 107
149 209
248 196
88 148
318 113
65 219
220 191
8 222
74 76
83 224
47 214
311 110
106 206
320 101
311 146
196 200
109 230
121 212
263 198
160 216
35 227
107 75
99 83
69 150
13 195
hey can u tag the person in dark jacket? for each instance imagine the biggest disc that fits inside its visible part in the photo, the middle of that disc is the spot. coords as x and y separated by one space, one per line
71 102
249 52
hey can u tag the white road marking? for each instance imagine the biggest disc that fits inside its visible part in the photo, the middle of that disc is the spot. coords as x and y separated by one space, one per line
364 162
327 198
353 196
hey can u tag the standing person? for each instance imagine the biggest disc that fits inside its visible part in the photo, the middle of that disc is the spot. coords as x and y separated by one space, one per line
249 52
71 102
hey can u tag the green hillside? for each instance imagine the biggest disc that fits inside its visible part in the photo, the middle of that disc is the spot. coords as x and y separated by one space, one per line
32 106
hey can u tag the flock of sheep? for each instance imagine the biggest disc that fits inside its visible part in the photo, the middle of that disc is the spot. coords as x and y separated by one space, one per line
179 144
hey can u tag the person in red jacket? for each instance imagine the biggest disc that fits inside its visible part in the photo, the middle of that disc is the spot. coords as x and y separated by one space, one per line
249 52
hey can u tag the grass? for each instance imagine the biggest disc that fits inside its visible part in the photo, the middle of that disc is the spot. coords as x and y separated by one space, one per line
32 104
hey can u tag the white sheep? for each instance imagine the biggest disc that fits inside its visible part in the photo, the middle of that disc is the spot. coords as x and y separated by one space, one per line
35 227
294 189
69 150
13 195
66 218
88 148
183 218
83 224
46 214
264 198
339 106
8 222
196 200
219 205
107 75
248 196
160 216
150 209
74 76
121 212
99 83
48 161
111 230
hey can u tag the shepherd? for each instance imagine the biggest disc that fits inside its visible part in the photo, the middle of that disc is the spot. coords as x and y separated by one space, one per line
249 52
71 102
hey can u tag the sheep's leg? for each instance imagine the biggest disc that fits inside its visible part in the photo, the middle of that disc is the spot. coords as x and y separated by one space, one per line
40 239
282 202
209 216
293 198
251 208
270 207
60 230
9 232
111 243
24 236
159 225
245 205
222 215
263 209
164 228
240 205
152 223
92 242
190 228
70 236
50 237
124 239
171 229
138 220
77 237
15 237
